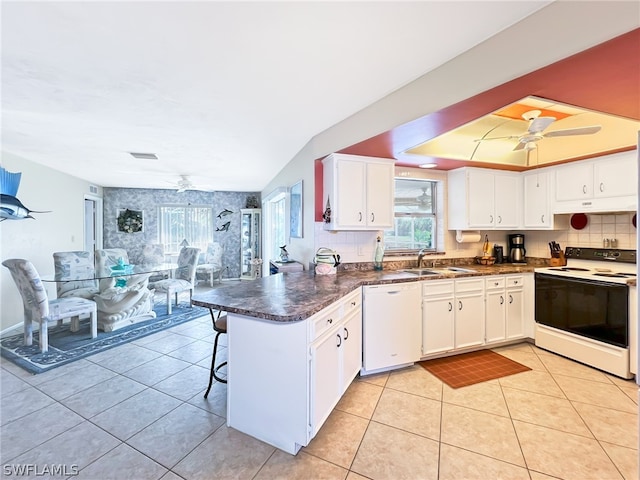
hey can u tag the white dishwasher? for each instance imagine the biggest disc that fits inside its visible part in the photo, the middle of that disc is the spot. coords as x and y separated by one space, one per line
392 326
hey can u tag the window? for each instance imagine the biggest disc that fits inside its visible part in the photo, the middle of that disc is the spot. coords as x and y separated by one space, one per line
178 222
415 217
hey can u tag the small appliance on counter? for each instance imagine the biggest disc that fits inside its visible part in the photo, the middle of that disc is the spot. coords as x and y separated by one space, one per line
498 253
326 261
517 251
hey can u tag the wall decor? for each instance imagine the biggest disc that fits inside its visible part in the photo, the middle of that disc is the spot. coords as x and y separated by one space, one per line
130 221
10 207
295 216
252 202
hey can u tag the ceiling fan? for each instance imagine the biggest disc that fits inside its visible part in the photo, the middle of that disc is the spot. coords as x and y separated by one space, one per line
537 124
185 184
423 199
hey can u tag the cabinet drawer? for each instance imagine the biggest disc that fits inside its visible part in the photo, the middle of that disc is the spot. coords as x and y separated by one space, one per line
323 321
495 283
433 288
515 282
469 285
351 303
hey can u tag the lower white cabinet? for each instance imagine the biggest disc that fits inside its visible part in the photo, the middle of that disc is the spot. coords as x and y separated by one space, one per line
286 377
505 308
452 314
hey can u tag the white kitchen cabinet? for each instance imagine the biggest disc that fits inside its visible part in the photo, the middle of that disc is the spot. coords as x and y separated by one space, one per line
536 204
515 307
438 316
392 323
359 191
495 309
604 184
336 357
483 198
452 315
469 308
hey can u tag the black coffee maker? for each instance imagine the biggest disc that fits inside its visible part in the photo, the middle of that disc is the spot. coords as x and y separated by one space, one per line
517 251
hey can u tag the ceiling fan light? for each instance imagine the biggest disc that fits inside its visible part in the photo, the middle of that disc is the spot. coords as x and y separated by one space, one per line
530 146
428 165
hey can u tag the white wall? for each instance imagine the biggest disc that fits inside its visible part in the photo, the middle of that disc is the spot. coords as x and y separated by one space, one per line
41 188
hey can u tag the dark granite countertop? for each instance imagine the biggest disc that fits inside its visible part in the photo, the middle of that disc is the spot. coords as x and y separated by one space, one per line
289 297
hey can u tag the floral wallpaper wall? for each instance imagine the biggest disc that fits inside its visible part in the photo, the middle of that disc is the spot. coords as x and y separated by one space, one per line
147 201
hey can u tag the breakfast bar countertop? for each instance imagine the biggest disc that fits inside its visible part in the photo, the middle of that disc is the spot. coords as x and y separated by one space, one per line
295 296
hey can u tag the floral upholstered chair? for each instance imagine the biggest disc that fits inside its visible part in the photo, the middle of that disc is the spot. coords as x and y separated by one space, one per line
183 278
153 254
38 307
212 266
75 264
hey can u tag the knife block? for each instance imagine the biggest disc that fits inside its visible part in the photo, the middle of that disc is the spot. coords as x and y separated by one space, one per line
560 261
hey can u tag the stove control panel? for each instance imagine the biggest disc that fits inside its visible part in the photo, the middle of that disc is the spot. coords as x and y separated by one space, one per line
601 254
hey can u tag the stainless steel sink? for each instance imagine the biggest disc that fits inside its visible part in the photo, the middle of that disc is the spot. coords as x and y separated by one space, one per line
460 270
420 271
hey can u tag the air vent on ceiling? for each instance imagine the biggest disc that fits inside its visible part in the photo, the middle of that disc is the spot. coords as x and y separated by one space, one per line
144 156
93 189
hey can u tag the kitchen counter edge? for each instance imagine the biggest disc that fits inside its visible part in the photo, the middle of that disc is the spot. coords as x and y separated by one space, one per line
292 297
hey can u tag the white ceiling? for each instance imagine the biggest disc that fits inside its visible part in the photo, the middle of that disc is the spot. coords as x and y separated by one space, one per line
226 92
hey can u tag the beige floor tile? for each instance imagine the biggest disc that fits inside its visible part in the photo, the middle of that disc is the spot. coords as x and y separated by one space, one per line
355 476
172 437
613 426
360 399
632 393
389 453
457 463
480 432
216 402
194 352
62 372
409 412
564 455
524 347
129 417
596 393
626 459
80 445
171 476
526 358
338 439
22 403
226 454
302 466
416 380
152 338
622 382
153 372
558 365
13 369
540 476
186 383
485 396
123 462
35 429
377 378
10 384
103 396
68 385
533 381
169 343
124 357
545 410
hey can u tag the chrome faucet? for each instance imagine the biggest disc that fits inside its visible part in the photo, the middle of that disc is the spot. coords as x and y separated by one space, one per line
420 256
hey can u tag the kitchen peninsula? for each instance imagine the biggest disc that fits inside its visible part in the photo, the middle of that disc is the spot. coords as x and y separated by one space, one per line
295 345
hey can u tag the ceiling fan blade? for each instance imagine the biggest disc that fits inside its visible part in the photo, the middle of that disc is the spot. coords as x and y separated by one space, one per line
510 137
520 146
574 131
537 125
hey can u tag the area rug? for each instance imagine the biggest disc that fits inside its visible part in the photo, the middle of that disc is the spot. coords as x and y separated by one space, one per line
471 368
66 346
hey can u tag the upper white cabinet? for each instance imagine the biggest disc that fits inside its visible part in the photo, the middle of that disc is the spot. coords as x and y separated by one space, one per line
484 198
604 184
536 205
359 191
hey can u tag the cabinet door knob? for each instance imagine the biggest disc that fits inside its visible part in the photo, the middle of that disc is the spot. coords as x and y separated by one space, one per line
602 187
542 218
496 283
346 333
373 217
510 299
501 299
584 189
515 282
459 305
490 218
499 219
450 306
339 340
329 321
353 304
359 216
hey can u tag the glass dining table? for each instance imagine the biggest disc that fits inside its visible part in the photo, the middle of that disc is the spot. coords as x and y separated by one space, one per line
123 296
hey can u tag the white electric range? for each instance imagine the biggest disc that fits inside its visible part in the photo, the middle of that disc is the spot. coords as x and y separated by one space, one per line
586 310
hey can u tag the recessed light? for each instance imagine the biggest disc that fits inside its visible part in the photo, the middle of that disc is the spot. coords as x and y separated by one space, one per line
428 165
144 156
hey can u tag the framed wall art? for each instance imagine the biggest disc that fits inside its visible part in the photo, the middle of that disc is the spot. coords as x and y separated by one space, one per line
295 218
130 221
